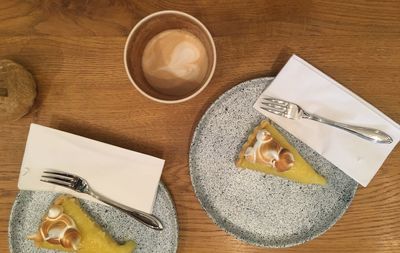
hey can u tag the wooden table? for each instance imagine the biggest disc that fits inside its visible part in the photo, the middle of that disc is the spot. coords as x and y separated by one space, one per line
74 49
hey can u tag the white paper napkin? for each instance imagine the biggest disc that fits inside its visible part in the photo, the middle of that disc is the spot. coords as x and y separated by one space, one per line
315 92
128 177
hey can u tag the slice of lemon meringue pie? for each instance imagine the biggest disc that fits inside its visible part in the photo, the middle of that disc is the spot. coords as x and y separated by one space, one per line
266 150
67 227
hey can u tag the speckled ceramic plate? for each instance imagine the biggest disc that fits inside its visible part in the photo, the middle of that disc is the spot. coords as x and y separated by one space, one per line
29 208
260 209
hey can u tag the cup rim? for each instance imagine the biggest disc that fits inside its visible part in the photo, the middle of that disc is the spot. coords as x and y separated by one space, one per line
150 16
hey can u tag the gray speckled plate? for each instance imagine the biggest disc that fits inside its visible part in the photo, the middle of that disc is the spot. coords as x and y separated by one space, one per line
259 209
29 208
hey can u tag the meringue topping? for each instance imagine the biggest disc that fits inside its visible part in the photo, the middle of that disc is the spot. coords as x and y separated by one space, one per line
58 228
267 151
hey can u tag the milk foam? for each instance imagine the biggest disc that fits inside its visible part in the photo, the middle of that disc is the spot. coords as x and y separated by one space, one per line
183 62
175 61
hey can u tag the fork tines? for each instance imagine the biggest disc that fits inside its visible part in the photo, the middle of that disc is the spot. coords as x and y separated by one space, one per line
275 106
58 178
276 101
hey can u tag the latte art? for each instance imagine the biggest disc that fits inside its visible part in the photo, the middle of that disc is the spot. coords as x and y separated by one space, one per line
175 61
183 62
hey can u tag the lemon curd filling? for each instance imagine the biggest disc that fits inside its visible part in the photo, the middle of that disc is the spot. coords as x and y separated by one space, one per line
266 150
67 227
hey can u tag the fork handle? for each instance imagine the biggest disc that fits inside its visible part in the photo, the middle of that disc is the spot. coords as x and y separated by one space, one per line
366 133
145 218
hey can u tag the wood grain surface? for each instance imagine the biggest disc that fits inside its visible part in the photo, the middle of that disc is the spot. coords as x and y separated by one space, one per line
74 49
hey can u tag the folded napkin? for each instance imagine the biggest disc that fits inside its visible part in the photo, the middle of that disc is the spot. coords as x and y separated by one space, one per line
315 92
125 176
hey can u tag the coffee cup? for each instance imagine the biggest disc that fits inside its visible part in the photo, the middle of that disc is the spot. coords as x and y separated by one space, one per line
170 56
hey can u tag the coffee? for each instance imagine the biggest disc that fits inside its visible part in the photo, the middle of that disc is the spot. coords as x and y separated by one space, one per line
170 57
175 62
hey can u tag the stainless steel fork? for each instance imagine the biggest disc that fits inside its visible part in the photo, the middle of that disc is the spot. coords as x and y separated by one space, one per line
79 184
293 111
